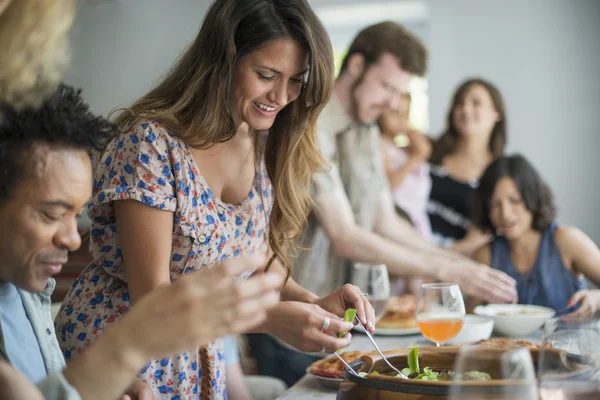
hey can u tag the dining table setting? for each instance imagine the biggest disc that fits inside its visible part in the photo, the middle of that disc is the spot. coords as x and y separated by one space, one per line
426 347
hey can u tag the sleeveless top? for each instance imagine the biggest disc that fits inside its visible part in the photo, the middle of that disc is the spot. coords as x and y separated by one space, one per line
449 207
549 283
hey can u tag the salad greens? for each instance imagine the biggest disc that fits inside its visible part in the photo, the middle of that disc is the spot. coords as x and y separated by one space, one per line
430 375
414 372
349 316
473 376
363 374
413 362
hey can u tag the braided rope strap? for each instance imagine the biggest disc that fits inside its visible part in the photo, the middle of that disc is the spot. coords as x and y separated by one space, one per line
207 373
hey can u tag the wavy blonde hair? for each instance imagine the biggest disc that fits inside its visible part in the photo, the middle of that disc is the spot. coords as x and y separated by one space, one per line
193 100
34 49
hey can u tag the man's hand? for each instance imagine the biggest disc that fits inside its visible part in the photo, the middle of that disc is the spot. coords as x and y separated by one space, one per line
16 386
138 390
199 308
481 281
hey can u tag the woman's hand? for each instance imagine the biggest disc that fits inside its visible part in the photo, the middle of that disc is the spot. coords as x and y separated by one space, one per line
589 304
301 325
349 296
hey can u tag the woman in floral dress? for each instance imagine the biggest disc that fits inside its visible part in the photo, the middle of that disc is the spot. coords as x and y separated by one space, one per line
211 164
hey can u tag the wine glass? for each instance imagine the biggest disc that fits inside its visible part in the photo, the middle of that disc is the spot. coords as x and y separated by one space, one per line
480 363
440 311
374 280
566 362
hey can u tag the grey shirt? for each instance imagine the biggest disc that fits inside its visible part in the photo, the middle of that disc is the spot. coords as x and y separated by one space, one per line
353 152
37 308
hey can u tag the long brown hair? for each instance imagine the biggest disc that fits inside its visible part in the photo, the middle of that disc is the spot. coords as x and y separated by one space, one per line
192 100
447 142
34 49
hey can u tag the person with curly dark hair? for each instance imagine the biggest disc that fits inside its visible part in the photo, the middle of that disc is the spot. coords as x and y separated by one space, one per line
45 181
549 261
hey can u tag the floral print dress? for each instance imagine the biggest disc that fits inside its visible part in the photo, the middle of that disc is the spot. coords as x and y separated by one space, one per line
150 165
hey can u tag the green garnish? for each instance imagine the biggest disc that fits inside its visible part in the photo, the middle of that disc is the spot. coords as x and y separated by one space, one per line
478 376
349 316
428 375
363 374
413 361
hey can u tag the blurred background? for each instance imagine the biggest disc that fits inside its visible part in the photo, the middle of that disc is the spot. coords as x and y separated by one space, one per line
544 55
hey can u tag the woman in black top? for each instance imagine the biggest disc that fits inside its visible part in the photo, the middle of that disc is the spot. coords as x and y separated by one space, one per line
474 137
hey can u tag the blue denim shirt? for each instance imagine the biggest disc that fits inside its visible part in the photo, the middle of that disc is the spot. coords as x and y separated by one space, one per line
37 307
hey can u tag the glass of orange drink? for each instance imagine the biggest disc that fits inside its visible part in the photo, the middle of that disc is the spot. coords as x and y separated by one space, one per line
440 311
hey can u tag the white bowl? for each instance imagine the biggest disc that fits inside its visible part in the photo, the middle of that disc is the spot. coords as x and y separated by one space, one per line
515 320
476 327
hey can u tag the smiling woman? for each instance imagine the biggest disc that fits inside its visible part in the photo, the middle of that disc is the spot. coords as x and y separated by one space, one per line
212 164
261 90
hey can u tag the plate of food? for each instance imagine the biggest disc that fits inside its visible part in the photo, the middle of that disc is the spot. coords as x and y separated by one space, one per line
399 318
329 371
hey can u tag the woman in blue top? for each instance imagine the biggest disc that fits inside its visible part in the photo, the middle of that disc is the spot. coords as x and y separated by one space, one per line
550 262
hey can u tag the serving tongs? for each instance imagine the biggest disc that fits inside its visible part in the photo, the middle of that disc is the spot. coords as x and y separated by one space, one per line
400 373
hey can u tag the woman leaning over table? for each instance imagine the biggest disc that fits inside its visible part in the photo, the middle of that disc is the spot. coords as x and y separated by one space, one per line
212 163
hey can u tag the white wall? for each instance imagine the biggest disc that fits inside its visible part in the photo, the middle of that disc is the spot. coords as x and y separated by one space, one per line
121 47
544 55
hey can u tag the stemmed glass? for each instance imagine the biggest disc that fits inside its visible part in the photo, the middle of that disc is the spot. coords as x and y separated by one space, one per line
568 359
479 363
374 280
440 311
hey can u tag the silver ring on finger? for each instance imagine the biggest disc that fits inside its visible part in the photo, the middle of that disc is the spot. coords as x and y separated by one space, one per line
365 294
326 323
323 349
